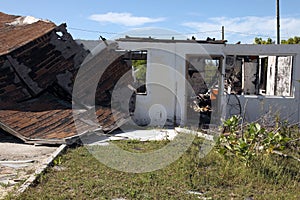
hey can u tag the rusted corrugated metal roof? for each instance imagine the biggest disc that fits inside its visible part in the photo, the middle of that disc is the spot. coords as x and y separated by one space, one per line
40 118
48 119
14 36
31 62
106 69
38 66
30 69
12 88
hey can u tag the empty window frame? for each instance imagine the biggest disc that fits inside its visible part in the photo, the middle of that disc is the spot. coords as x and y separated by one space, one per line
139 69
241 74
203 72
264 75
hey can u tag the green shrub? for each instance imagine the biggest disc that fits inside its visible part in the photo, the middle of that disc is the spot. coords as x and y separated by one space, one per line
249 140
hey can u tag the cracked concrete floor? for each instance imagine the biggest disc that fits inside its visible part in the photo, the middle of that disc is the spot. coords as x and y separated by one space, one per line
18 161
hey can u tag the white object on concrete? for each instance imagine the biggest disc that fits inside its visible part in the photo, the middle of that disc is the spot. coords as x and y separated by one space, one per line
141 135
149 135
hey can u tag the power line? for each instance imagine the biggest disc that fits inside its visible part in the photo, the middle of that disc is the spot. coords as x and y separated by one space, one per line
93 31
162 34
249 34
173 34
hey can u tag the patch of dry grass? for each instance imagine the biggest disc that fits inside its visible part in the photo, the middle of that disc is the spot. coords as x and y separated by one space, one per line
213 177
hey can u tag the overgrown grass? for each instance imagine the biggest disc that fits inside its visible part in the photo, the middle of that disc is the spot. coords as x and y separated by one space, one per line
214 177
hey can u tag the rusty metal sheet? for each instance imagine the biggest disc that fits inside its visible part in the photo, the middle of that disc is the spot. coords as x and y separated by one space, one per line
38 66
14 36
47 57
12 88
48 119
105 69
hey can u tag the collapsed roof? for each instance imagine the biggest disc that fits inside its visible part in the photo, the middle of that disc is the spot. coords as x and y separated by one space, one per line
39 62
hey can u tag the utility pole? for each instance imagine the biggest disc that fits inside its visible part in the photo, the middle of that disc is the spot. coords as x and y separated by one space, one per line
278 21
223 33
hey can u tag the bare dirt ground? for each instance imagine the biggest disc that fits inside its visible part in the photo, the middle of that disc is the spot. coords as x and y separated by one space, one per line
18 161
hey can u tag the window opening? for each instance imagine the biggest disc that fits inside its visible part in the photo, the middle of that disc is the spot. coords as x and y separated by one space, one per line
138 61
259 75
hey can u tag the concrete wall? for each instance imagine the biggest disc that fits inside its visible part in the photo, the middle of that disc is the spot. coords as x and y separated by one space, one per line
254 106
165 80
166 89
165 100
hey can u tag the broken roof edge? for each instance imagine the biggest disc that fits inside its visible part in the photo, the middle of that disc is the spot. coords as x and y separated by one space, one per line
150 39
17 31
12 131
68 141
55 141
20 45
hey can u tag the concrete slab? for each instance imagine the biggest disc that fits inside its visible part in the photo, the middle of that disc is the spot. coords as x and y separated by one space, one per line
147 135
141 135
18 161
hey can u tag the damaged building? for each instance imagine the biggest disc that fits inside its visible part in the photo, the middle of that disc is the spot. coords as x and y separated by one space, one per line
54 89
38 65
184 80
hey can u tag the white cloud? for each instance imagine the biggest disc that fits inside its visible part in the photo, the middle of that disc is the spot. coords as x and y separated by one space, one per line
246 28
126 19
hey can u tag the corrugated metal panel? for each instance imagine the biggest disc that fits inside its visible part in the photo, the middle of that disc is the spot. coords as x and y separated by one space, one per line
40 60
12 88
12 37
105 69
30 67
48 119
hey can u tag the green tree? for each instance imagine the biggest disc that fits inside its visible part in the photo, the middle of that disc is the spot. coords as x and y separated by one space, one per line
294 40
140 70
261 41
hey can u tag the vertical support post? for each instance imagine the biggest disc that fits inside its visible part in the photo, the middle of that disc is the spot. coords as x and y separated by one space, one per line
221 95
223 33
278 21
276 76
175 104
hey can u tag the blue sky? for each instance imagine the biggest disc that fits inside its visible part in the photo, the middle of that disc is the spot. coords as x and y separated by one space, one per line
243 20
